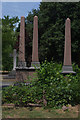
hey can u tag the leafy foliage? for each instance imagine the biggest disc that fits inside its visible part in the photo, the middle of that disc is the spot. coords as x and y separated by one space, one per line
57 89
21 95
8 40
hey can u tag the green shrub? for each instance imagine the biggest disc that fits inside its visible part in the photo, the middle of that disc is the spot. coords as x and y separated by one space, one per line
19 95
59 89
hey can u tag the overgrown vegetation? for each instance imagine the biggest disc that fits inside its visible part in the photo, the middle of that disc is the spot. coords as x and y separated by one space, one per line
57 89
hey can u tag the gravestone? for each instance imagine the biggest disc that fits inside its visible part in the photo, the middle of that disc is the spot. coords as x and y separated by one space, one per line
67 66
12 74
35 60
14 59
14 55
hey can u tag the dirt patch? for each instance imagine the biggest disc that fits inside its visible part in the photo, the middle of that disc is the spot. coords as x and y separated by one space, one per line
72 111
38 108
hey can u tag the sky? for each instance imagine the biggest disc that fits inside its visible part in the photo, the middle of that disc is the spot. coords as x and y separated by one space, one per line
18 8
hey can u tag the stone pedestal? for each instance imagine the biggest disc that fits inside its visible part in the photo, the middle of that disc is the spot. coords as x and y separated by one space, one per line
35 64
25 74
21 64
21 74
67 67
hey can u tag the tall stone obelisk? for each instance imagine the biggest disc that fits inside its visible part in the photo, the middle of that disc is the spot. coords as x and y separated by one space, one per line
35 60
21 56
67 67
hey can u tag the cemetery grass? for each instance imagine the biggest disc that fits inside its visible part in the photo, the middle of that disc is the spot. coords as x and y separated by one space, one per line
38 112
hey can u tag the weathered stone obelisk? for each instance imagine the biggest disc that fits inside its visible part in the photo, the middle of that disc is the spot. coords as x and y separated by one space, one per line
21 56
67 67
21 70
35 60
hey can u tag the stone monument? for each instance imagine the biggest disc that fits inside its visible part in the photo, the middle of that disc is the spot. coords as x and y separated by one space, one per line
12 74
35 60
21 56
14 59
67 66
23 72
21 68
35 64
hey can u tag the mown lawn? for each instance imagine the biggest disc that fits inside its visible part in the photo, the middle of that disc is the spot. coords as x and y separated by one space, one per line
38 112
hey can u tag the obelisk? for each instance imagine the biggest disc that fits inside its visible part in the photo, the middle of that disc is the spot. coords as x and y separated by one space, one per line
35 60
67 66
21 56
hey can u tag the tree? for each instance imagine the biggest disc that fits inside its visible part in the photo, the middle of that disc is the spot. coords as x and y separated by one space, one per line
8 40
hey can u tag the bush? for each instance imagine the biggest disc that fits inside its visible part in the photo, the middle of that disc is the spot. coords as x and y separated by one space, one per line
58 89
19 95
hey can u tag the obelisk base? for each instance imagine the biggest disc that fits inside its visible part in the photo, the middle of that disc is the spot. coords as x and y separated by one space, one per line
67 69
25 74
21 64
35 64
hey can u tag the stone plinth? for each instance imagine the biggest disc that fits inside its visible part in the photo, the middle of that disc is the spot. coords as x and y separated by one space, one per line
25 74
35 60
67 67
21 74
21 56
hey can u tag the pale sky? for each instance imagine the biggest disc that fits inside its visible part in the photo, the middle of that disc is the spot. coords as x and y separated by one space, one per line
21 0
18 8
